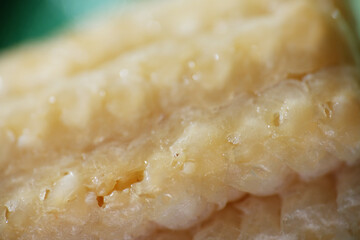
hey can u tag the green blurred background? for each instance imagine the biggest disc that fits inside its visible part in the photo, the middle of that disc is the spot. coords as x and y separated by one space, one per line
22 20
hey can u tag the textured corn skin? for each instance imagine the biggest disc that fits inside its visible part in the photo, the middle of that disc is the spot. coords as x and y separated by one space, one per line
184 120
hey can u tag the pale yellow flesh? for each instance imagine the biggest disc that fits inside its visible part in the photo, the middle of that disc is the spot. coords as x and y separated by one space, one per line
184 120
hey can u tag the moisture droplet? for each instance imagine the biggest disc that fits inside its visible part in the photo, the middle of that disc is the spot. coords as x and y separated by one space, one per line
52 99
123 73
